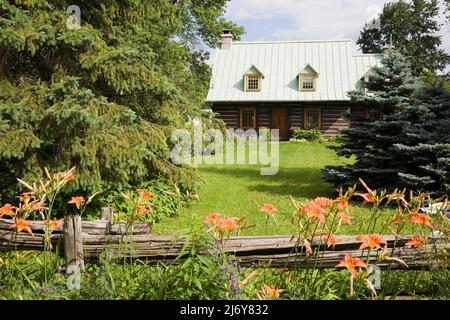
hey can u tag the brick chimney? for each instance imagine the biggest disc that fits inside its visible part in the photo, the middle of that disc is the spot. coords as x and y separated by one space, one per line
387 50
227 39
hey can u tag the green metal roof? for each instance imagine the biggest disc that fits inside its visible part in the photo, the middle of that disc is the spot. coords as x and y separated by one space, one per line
338 69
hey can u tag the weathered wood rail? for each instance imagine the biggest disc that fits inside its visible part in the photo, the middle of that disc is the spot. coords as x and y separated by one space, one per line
84 240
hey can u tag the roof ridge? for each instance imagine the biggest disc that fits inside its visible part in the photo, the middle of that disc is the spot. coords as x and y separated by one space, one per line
290 41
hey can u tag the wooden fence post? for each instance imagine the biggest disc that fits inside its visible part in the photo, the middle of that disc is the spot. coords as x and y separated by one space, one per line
73 245
107 214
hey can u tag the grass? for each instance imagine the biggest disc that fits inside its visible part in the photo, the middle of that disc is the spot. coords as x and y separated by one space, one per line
234 190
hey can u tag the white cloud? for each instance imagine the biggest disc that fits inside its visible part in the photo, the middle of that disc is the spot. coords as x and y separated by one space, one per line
310 19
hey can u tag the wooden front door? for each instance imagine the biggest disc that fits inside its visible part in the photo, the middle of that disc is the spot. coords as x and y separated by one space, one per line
280 121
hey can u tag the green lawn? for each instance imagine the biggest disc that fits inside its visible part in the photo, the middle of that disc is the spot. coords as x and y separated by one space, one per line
233 189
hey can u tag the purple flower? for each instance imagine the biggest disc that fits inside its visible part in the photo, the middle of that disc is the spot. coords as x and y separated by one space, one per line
240 269
45 290
233 282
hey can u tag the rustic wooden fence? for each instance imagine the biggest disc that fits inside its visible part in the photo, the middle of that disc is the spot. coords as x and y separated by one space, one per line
86 240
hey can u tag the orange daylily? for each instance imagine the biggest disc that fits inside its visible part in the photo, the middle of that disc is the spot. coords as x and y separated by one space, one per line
312 210
323 202
7 210
227 225
416 242
268 293
345 218
26 197
330 239
268 208
22 224
142 210
351 264
420 218
368 198
53 224
343 204
144 194
212 218
77 201
371 240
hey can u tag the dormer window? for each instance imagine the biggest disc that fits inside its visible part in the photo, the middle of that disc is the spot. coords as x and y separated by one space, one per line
253 80
308 82
308 79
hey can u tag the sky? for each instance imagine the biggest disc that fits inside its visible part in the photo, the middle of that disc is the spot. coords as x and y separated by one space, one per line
308 19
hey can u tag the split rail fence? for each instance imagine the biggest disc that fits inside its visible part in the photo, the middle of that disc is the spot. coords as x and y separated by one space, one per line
86 240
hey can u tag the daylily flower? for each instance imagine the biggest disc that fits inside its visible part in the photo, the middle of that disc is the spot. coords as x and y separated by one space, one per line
416 242
330 239
142 210
145 195
7 210
343 204
22 224
351 264
268 208
268 293
312 210
323 202
227 225
368 198
212 218
419 218
77 201
372 241
344 218
53 224
26 197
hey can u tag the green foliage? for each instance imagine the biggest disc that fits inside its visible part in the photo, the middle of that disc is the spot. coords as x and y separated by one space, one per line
368 140
165 202
423 147
413 27
432 80
105 97
406 143
312 135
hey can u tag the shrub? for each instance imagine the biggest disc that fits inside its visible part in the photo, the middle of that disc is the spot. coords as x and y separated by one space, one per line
300 135
165 203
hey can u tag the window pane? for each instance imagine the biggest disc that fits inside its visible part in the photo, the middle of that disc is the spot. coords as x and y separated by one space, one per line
308 82
253 83
247 119
312 119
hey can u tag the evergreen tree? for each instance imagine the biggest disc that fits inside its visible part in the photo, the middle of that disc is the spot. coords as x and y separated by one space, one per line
106 96
423 148
370 138
413 28
407 143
